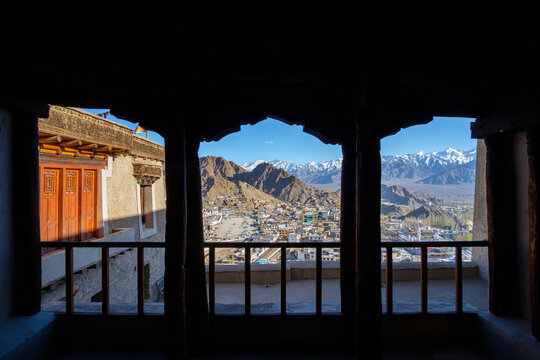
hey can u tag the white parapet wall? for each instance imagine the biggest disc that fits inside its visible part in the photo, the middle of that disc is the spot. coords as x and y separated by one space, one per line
53 264
306 270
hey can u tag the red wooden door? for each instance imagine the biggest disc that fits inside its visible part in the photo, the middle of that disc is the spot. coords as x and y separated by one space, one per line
88 210
49 210
71 229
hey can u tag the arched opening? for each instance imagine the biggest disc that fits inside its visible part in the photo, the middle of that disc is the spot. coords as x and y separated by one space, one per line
276 189
433 192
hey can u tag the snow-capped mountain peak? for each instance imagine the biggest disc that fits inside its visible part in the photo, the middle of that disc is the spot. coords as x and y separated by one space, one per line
422 165
252 165
327 174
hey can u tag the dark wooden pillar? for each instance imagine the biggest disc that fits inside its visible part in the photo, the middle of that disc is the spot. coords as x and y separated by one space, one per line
348 231
500 194
25 207
175 238
533 151
368 247
196 299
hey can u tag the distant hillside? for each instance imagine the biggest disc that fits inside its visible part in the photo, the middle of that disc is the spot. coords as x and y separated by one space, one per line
424 212
391 209
265 182
399 195
432 216
463 174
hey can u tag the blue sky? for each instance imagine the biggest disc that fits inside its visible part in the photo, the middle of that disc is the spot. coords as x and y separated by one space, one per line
439 134
269 140
272 139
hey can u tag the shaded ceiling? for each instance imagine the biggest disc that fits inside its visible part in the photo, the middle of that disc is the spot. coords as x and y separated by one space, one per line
225 66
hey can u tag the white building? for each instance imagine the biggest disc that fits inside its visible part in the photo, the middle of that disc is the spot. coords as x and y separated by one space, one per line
293 237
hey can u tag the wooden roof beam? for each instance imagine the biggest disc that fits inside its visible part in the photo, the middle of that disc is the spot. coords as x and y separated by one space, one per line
71 143
104 148
50 139
88 147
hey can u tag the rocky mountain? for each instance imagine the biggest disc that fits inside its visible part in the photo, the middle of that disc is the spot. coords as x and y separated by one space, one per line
286 187
219 166
216 184
398 195
223 177
220 190
323 175
463 174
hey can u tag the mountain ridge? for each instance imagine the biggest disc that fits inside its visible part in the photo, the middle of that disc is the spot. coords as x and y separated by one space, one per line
264 178
444 167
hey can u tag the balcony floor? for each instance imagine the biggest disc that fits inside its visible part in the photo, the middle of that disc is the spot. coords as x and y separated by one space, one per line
301 298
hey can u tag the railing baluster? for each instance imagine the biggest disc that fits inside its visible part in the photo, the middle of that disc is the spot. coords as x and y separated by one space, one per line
140 280
424 280
389 282
283 280
212 279
247 271
69 280
318 279
459 280
105 280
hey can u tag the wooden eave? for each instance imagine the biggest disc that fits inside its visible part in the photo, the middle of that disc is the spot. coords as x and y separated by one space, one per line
147 149
74 124
73 132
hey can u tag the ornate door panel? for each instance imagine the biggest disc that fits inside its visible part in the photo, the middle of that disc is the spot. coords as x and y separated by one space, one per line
71 205
88 207
49 211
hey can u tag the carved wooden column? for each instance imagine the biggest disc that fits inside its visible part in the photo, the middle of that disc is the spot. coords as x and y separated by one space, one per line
25 207
196 299
175 239
348 231
500 196
533 150
368 247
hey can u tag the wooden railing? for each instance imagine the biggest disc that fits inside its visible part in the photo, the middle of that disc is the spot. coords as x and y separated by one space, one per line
424 245
247 246
105 246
